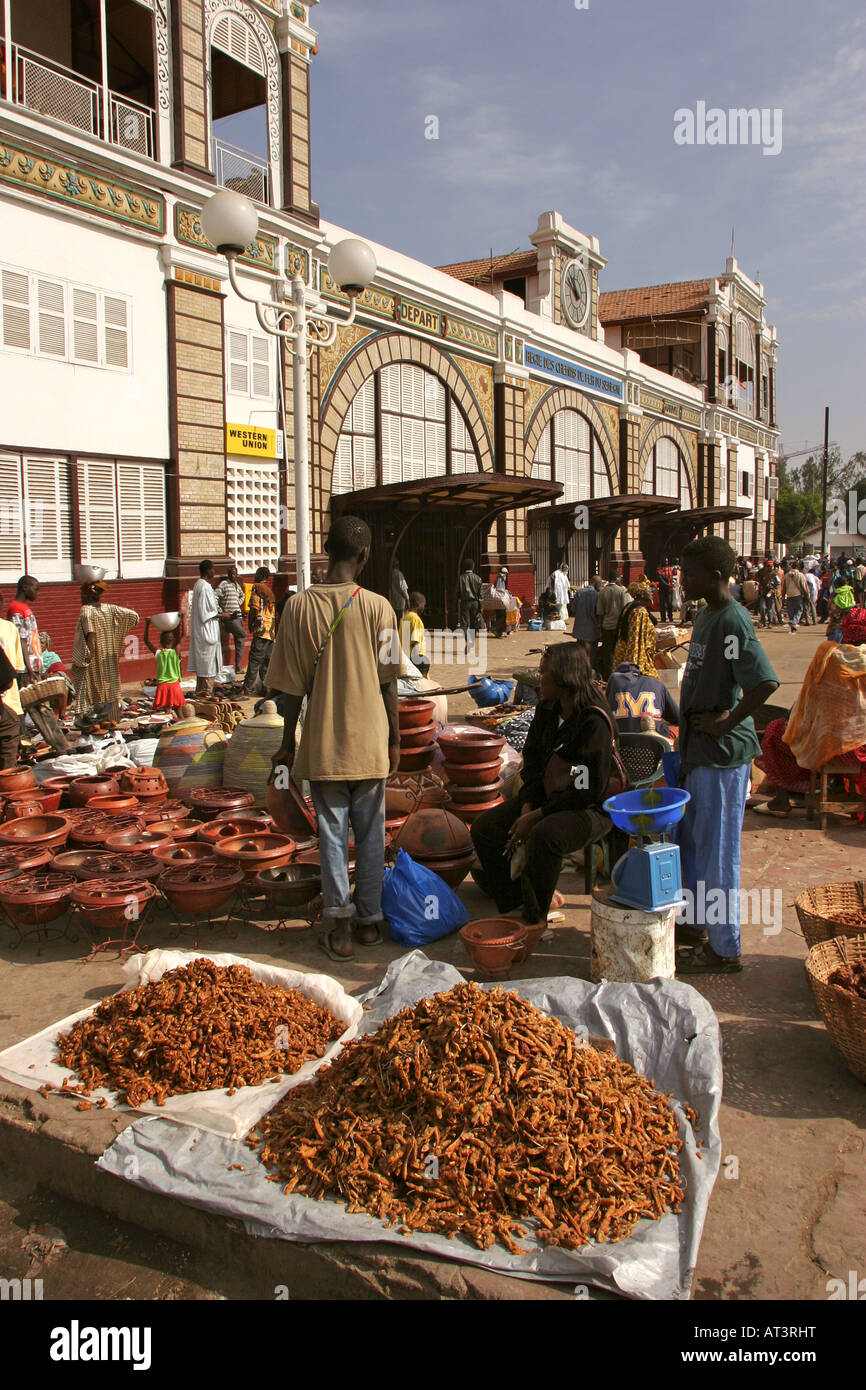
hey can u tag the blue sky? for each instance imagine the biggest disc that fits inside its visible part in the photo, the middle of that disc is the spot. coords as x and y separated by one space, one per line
545 105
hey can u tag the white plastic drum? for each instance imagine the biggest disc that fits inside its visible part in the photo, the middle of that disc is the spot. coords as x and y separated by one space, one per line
629 945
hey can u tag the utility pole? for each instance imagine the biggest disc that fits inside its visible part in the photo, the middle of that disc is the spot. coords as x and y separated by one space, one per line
824 480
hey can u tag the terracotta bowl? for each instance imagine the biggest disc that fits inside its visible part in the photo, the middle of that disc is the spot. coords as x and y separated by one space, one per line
208 802
178 830
171 809
89 863
471 748
417 738
115 903
198 889
22 860
468 814
188 852
115 804
249 814
16 779
46 832
292 813
292 886
241 824
81 789
495 943
45 801
413 713
58 784
453 871
144 840
400 802
253 853
434 833
37 897
416 759
533 936
476 796
472 774
92 831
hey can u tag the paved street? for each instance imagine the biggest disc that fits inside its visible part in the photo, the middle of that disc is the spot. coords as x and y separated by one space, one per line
786 1214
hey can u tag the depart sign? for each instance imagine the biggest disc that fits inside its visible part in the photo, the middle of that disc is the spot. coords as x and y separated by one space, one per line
255 442
584 377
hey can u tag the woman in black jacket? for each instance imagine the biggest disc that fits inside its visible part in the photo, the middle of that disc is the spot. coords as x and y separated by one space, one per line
571 721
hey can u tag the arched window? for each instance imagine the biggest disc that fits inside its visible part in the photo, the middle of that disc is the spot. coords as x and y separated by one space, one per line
568 452
744 369
242 70
421 430
665 474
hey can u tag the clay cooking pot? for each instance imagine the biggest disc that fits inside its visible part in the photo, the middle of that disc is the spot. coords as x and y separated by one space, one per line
114 804
111 904
472 774
81 789
37 897
21 860
198 889
292 886
145 840
41 801
494 943
16 779
208 802
47 832
413 713
171 855
253 853
471 748
416 759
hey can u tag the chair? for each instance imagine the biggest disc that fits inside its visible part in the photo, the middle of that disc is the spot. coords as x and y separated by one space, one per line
642 757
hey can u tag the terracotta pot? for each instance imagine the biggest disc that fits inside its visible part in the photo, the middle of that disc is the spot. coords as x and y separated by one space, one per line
36 897
90 863
400 802
43 801
81 789
22 860
252 853
292 886
427 788
140 840
172 809
453 871
199 889
494 943
533 936
58 784
476 796
417 759
170 855
472 774
223 828
145 782
478 747
92 831
46 832
16 779
115 804
410 739
415 712
433 834
250 815
208 802
292 813
178 830
468 814
113 904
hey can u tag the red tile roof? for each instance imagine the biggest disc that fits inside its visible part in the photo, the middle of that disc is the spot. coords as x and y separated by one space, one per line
515 263
653 301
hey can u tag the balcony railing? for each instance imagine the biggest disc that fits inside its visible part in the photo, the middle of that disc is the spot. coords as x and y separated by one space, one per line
241 171
53 90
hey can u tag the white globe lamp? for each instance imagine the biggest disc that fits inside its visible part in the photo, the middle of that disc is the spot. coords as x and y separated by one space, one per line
229 221
352 265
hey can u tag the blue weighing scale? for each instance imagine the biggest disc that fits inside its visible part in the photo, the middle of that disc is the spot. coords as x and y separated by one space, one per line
648 876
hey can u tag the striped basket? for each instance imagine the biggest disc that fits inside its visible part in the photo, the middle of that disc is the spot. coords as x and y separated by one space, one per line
844 1014
818 909
191 754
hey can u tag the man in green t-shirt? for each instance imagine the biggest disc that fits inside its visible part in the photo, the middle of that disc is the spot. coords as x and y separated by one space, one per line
726 679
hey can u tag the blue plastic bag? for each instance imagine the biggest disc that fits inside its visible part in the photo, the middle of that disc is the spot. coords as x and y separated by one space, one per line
419 905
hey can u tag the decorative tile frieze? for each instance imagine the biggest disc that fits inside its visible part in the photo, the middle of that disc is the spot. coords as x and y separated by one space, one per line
298 262
470 336
480 378
65 183
187 228
371 301
747 301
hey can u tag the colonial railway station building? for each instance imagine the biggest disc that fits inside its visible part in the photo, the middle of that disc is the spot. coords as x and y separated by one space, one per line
503 409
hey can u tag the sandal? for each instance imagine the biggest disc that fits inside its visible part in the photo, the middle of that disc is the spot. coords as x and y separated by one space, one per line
367 933
704 961
690 936
325 944
764 808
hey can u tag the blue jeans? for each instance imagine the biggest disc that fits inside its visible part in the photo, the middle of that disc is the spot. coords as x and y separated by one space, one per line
768 609
795 609
709 840
361 805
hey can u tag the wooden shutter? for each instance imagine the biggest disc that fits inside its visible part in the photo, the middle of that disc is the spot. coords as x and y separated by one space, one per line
85 326
52 323
97 512
16 310
141 492
12 564
238 356
116 332
233 36
261 367
48 524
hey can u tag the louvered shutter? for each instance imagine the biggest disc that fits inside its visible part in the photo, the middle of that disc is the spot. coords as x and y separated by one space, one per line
389 380
434 449
85 326
48 524
238 355
12 564
342 478
541 463
232 36
365 462
261 367
97 514
16 310
391 451
52 324
141 489
116 332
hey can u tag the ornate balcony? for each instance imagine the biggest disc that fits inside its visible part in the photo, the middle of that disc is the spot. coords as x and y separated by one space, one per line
53 90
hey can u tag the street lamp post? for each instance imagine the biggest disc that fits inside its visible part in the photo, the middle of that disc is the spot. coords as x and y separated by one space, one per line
230 222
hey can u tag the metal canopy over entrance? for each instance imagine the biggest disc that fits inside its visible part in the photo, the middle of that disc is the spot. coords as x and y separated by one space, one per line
581 532
431 524
660 538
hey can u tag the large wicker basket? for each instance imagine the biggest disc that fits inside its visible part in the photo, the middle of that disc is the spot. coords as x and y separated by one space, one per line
818 908
844 1014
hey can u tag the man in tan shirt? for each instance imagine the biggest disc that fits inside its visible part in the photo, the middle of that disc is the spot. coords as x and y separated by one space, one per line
335 644
10 700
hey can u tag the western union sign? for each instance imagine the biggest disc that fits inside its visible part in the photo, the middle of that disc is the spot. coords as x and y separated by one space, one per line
249 439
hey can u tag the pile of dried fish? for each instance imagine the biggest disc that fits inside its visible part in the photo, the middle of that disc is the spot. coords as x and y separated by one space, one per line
198 1028
475 1113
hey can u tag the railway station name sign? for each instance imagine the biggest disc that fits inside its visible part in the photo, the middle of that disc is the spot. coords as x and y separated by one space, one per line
539 361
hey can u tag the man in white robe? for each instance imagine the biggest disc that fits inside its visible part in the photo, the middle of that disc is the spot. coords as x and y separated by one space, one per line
204 631
562 589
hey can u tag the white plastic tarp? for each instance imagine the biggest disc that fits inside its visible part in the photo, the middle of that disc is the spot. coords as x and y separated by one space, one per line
31 1063
665 1029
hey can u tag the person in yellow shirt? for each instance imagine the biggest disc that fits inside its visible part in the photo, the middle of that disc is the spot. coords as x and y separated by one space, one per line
10 700
412 634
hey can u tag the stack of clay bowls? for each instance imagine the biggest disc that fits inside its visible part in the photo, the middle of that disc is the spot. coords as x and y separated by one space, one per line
439 841
417 734
495 944
472 766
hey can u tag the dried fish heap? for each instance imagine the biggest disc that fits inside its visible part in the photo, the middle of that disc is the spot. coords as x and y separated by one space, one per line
200 1027
474 1113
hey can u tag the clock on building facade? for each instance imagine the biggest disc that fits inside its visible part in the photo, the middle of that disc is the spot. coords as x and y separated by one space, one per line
575 295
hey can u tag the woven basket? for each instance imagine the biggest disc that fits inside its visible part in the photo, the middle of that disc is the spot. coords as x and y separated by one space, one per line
37 691
817 909
844 1014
